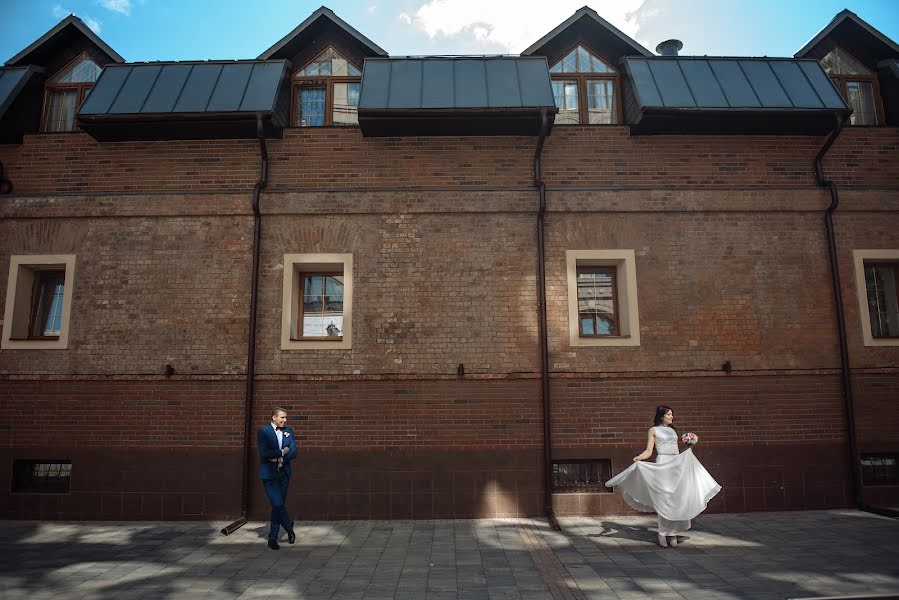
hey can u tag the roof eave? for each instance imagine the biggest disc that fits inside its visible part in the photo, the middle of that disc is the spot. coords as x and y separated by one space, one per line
329 14
80 26
586 10
836 22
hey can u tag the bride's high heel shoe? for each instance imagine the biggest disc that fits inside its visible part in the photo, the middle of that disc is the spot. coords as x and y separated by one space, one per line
662 541
672 541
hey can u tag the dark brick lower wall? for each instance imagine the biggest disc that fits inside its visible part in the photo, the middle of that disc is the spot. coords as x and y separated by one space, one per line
425 449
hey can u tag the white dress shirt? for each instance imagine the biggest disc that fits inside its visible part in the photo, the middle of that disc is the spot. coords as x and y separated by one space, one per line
280 435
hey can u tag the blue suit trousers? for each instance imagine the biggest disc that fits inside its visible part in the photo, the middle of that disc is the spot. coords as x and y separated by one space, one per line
276 492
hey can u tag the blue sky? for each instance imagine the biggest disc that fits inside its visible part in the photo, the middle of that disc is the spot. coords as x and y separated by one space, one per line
142 30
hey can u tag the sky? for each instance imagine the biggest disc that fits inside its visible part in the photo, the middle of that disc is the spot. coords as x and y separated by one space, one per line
146 30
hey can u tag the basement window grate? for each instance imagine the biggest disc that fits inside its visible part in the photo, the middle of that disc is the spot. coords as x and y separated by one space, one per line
42 476
880 469
580 476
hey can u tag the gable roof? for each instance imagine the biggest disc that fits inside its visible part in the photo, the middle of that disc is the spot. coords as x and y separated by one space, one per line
70 23
846 19
326 13
591 14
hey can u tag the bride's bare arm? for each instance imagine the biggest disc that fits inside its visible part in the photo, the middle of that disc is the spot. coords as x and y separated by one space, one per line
650 443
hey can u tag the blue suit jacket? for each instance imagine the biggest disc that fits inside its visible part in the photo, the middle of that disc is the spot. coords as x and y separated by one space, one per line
267 442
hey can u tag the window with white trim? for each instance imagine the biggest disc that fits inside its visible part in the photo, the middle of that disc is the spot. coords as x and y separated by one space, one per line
602 298
877 284
317 301
38 302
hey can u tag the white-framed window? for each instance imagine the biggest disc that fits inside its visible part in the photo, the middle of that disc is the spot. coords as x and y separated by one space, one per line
317 302
877 286
38 302
602 298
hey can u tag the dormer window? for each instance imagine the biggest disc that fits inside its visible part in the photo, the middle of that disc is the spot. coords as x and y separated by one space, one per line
326 92
585 88
857 84
65 91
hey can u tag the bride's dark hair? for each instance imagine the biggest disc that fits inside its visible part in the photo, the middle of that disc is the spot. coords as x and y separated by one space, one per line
660 416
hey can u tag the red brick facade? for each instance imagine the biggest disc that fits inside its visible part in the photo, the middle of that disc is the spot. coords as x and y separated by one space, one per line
731 263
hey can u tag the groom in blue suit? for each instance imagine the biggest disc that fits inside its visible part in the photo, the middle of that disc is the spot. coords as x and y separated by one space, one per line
277 447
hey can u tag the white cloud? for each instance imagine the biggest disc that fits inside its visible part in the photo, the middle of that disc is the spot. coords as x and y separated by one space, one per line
372 9
60 12
119 6
93 24
513 25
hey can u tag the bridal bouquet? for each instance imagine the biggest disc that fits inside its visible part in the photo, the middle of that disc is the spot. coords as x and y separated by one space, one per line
690 438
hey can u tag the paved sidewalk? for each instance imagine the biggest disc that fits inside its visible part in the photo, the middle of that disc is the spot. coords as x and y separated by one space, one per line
758 555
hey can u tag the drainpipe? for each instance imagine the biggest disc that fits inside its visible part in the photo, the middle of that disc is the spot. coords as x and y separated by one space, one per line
845 373
5 184
544 347
251 345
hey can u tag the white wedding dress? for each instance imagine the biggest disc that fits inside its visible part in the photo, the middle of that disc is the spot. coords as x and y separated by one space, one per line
676 486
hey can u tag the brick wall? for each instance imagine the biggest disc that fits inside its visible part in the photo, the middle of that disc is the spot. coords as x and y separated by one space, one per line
340 158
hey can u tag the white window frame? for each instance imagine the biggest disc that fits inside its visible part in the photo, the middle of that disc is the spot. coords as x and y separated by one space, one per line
18 300
626 285
294 264
859 257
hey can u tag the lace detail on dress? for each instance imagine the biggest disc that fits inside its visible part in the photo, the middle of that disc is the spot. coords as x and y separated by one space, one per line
666 440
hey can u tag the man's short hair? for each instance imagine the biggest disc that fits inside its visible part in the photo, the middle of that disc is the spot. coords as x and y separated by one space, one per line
278 409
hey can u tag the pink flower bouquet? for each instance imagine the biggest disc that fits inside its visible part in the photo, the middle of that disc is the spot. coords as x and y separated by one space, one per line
690 438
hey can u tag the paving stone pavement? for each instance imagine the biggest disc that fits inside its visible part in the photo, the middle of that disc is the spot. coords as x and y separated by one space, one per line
757 556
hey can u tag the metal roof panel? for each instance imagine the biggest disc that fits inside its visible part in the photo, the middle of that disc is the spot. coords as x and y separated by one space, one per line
198 88
765 84
230 88
405 84
470 84
167 89
437 84
734 84
671 83
105 90
502 84
135 89
705 87
796 84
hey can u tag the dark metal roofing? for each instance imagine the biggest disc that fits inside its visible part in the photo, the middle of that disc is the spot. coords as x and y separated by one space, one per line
730 86
12 81
183 91
70 21
586 11
327 13
420 96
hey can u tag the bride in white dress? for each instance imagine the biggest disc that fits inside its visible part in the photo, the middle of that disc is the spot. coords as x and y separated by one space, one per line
676 487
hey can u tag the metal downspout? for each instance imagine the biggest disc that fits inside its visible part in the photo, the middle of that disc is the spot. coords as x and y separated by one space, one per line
845 373
544 347
251 344
5 184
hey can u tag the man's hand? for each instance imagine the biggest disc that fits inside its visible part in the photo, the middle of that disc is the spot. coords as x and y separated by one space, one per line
285 450
273 460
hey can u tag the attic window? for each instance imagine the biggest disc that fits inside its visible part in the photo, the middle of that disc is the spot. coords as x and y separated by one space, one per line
65 92
326 92
585 88
857 84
